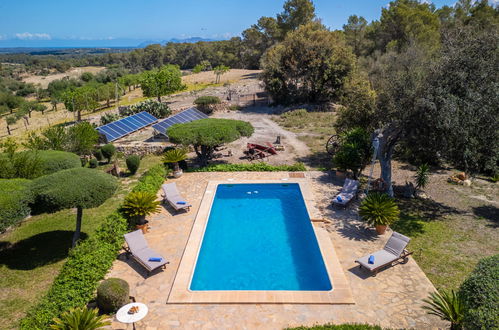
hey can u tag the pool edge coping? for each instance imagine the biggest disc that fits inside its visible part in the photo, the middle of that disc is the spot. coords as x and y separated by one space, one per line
181 294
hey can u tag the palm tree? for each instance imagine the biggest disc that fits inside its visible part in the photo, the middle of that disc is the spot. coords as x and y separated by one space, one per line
379 210
81 319
175 156
448 306
140 204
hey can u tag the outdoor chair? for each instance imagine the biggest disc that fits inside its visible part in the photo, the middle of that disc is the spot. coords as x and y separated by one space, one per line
137 247
348 193
394 251
172 196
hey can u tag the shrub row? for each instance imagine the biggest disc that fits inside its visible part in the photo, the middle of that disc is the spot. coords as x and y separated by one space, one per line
87 263
15 197
253 167
152 180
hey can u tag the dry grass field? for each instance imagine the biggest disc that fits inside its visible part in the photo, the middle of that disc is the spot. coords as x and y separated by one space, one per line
44 81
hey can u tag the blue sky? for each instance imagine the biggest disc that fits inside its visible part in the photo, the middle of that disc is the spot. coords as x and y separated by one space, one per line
38 23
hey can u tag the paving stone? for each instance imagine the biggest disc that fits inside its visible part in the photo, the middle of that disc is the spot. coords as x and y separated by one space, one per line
384 299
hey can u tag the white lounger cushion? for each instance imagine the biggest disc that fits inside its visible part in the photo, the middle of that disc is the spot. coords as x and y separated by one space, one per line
381 257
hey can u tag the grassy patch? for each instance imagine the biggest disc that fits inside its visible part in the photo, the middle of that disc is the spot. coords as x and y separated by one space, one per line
190 87
33 254
313 128
447 243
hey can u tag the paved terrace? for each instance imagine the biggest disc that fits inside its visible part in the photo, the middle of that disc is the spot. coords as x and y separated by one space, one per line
391 299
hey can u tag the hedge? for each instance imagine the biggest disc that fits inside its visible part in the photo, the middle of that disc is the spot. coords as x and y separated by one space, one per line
253 167
347 326
15 197
54 161
87 264
480 293
152 180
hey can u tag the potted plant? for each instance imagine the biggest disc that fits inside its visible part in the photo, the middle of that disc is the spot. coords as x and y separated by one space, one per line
175 156
140 204
379 210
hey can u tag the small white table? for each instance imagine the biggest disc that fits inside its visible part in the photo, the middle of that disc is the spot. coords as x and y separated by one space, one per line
123 316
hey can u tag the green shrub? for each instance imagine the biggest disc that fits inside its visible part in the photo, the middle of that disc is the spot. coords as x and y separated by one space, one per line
379 209
422 176
204 101
152 180
480 293
253 167
93 163
26 165
348 326
108 151
354 151
112 294
15 197
80 318
155 108
133 163
54 161
76 187
98 154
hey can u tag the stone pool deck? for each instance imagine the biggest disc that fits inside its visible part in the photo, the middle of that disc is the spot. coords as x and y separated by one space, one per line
391 299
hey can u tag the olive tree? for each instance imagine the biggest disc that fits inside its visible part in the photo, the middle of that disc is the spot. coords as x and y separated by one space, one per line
205 134
164 81
79 188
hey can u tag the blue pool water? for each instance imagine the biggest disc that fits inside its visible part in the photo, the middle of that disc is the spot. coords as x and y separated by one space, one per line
259 237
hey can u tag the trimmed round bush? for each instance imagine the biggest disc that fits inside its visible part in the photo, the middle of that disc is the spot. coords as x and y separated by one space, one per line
108 151
133 163
79 188
93 163
112 294
73 188
55 161
15 197
98 154
480 293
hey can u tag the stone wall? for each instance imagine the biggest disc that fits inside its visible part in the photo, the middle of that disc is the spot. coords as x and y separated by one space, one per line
141 149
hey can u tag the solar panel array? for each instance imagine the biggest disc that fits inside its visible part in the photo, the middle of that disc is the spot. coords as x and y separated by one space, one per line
180 118
125 126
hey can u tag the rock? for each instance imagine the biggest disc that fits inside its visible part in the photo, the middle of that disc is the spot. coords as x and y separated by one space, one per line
467 182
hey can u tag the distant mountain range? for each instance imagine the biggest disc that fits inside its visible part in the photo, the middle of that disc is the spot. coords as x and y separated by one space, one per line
190 40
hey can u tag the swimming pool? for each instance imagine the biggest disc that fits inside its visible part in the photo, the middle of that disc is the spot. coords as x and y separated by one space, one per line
259 237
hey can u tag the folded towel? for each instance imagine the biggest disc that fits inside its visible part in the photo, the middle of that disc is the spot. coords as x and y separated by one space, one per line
155 259
181 203
339 199
371 260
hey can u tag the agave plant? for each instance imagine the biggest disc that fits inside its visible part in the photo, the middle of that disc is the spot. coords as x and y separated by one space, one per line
447 305
140 204
422 176
379 209
81 319
175 156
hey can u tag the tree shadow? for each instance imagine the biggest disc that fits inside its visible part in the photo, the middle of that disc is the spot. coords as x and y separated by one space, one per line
319 159
489 212
415 212
38 250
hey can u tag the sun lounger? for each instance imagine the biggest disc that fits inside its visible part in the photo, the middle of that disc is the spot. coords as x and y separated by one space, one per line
138 249
347 193
394 251
171 194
